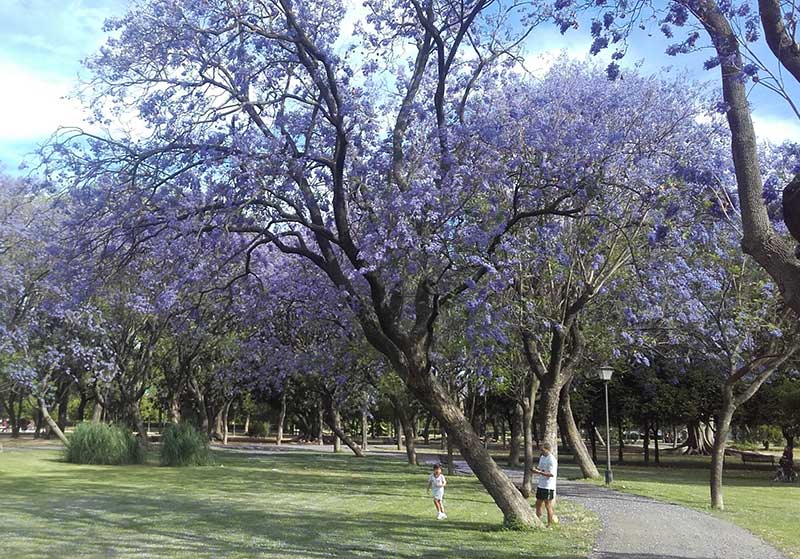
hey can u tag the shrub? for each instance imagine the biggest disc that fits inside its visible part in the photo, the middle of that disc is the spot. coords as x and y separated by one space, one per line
259 429
183 445
103 443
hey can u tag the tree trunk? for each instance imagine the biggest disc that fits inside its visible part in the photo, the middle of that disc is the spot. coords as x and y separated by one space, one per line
573 434
593 441
411 451
411 360
718 450
426 429
646 443
38 419
63 405
53 425
760 240
528 406
657 454
225 412
81 411
175 409
364 429
336 426
549 410
621 449
334 421
281 420
698 440
97 412
321 427
398 431
15 414
516 436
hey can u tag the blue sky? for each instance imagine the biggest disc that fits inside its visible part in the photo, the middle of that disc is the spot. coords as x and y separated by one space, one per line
43 41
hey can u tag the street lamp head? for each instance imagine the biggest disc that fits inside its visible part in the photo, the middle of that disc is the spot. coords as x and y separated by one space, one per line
605 373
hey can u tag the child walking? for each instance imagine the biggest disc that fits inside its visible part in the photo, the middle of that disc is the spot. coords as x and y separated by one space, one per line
436 484
546 488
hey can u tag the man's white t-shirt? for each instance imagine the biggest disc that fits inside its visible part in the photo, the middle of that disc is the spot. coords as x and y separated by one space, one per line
548 464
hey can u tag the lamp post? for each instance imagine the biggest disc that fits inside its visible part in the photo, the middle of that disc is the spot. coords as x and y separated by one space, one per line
605 372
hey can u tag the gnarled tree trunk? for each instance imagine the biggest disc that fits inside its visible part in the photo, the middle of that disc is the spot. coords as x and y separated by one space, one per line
334 420
573 434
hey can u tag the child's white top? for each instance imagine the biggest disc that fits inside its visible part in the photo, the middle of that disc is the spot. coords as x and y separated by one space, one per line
548 464
436 482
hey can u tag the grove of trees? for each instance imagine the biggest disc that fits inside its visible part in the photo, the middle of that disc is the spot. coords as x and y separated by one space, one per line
404 232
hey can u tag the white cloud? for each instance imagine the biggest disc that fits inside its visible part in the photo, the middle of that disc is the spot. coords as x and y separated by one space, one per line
776 130
35 105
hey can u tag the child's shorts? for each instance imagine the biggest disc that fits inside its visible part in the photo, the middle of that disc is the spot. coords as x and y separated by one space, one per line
544 494
438 494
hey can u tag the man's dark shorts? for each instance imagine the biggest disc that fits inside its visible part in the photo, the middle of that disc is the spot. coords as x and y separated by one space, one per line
544 494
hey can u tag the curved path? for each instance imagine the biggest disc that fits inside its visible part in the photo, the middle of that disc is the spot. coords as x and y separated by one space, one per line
635 527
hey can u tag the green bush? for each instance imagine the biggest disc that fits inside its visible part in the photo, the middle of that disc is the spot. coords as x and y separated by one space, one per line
259 429
103 443
183 445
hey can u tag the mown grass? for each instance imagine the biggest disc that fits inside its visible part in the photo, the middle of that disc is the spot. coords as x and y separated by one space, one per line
298 505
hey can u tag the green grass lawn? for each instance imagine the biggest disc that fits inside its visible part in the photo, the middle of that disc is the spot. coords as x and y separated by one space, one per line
768 509
298 505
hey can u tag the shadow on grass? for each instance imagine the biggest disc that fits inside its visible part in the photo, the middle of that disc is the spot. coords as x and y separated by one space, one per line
245 507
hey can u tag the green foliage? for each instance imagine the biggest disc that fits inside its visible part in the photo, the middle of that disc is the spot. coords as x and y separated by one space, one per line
183 445
103 443
259 429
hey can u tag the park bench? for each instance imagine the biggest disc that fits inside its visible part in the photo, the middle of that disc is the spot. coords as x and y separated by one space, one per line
757 458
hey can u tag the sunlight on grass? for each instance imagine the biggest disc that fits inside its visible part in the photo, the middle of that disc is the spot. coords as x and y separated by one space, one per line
294 506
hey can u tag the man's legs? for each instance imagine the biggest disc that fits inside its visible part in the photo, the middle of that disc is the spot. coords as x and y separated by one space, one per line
551 515
539 503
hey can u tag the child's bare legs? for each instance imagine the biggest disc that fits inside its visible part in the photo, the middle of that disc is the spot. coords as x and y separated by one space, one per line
438 504
539 504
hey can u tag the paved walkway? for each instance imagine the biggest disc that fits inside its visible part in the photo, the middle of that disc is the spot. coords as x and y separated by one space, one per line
635 527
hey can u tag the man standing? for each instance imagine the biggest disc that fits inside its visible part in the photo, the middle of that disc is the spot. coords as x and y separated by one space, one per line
546 488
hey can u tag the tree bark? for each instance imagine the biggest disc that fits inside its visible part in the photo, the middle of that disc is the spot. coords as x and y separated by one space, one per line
657 454
225 412
364 429
334 421
698 442
81 411
621 437
175 408
281 420
573 434
411 451
528 406
646 443
51 422
398 431
426 429
516 436
718 450
774 253
549 409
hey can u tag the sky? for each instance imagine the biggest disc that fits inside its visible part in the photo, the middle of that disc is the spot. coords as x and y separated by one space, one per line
42 43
